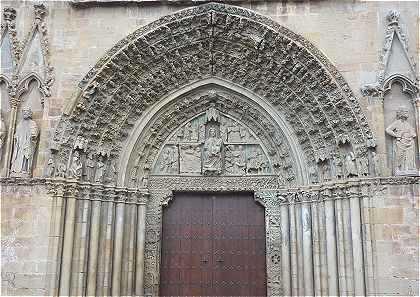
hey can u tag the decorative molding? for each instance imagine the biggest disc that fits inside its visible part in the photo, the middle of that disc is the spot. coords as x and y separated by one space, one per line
383 83
44 77
231 43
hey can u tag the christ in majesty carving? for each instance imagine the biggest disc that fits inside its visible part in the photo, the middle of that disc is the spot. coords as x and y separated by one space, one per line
212 158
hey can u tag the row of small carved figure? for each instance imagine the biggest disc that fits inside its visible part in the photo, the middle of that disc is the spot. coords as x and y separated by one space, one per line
85 168
347 166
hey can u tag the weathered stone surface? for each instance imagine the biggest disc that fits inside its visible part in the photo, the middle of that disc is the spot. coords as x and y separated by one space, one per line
107 111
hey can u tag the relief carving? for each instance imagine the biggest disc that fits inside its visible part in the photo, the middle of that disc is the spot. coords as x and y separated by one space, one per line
350 164
190 159
212 153
24 146
76 167
404 150
235 162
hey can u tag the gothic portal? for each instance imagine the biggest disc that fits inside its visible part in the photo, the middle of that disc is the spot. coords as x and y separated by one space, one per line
214 152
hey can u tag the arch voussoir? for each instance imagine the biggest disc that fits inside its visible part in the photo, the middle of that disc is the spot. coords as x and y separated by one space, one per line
226 42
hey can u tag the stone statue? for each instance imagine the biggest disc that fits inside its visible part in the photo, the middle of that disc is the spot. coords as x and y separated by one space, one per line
313 174
3 135
376 164
100 170
351 167
50 167
404 156
363 164
24 146
325 171
61 170
212 158
89 168
76 167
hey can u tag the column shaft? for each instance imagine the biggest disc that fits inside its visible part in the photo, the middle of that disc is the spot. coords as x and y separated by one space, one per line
93 248
359 274
293 251
308 272
141 238
118 245
331 248
66 262
285 250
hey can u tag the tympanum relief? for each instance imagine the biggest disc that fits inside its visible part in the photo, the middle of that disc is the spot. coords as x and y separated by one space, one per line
213 143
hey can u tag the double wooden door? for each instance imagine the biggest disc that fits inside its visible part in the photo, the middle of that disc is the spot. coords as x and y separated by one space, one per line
213 245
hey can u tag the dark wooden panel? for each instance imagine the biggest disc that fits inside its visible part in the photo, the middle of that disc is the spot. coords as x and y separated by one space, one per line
213 245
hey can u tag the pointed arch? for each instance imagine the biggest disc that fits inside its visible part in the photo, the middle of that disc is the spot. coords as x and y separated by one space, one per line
214 41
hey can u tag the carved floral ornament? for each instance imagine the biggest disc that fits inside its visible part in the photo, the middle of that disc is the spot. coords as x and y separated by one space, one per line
212 40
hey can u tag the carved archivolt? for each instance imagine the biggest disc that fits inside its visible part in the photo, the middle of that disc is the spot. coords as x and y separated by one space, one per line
214 40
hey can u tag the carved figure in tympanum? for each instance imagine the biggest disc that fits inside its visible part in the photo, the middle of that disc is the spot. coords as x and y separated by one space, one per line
235 160
257 162
169 162
404 151
50 167
212 152
24 146
190 158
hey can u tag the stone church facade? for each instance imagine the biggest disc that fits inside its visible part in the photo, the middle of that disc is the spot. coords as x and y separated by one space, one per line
113 111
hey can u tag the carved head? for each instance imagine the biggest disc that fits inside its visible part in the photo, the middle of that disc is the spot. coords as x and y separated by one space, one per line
27 113
9 14
212 132
402 113
393 17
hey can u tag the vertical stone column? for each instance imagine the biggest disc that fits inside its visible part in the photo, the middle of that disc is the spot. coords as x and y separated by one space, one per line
293 245
308 272
285 246
316 239
66 262
417 112
10 134
140 244
356 235
118 249
93 246
331 242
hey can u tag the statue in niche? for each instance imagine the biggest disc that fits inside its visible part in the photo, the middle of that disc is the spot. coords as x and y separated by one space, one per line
190 159
212 157
169 160
363 164
313 174
325 170
50 167
100 170
3 133
25 141
404 154
61 170
75 170
89 168
350 164
338 165
237 160
112 173
376 164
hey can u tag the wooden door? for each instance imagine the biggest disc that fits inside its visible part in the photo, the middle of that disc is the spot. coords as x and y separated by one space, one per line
213 245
